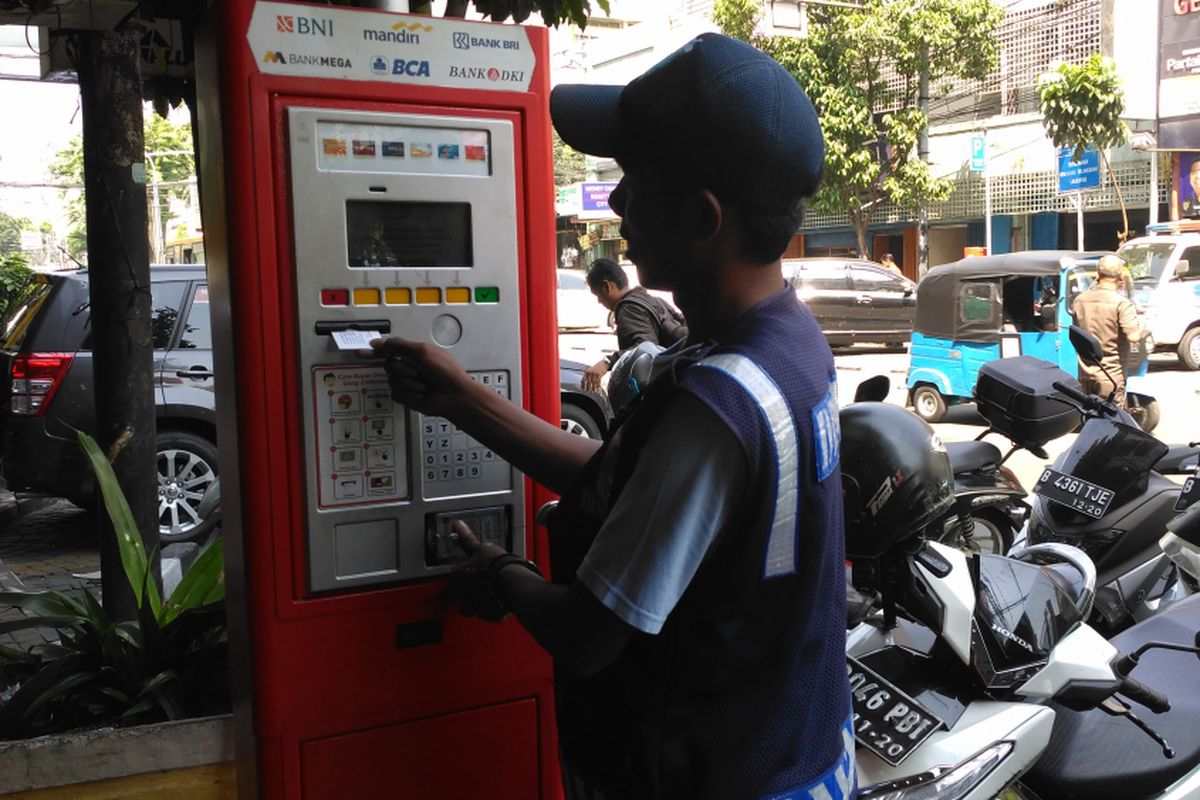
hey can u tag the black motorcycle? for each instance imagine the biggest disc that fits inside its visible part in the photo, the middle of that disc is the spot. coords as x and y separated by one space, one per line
1108 494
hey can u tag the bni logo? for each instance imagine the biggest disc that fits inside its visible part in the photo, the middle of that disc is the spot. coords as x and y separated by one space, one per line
308 26
285 24
462 41
274 57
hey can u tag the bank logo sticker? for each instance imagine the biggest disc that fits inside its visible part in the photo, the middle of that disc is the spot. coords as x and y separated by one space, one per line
364 147
487 73
303 26
393 149
413 69
475 152
333 147
274 57
399 33
462 40
448 152
379 65
420 149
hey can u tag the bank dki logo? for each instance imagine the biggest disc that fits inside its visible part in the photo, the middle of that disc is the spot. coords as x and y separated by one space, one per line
274 57
462 41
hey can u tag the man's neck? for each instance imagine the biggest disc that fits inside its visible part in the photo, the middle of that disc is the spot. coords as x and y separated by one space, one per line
712 306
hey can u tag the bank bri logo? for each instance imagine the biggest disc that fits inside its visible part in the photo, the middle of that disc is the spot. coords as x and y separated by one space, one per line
306 26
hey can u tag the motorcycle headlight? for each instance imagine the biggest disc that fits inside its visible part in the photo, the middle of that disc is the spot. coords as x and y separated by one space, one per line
942 783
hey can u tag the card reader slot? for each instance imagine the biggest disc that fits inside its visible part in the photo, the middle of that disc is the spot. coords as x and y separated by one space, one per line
329 328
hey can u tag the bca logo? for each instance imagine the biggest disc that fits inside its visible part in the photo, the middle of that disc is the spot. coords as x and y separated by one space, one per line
413 69
462 41
379 65
274 57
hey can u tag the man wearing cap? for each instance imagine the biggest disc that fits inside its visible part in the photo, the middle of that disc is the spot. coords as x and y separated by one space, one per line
696 616
1109 316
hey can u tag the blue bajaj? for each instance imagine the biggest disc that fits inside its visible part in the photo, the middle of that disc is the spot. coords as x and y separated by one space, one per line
983 308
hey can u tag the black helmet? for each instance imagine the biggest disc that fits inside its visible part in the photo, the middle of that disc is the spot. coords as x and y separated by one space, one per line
896 477
631 373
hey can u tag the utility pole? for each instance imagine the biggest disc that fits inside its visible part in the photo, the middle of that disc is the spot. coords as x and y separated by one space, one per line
110 88
923 155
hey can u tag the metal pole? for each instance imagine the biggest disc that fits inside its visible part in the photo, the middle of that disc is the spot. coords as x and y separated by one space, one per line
923 155
1153 188
1079 220
987 197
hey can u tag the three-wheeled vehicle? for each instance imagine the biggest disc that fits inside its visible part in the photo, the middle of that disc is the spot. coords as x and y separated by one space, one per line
982 308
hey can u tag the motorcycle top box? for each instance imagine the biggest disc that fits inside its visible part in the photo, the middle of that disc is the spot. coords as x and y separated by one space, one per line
1017 398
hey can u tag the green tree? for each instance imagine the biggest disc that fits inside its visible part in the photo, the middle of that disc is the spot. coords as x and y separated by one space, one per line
570 165
10 232
161 136
861 68
1081 107
15 279
553 11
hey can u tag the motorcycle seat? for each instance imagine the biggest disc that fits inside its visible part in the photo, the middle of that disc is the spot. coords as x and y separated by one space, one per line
1101 757
970 456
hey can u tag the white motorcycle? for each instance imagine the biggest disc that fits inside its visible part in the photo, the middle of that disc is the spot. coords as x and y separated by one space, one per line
975 677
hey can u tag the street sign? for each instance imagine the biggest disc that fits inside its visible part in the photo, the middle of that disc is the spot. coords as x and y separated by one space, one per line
1074 176
978 153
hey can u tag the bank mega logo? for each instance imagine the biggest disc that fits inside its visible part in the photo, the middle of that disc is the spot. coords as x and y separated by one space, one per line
399 33
274 57
279 57
304 26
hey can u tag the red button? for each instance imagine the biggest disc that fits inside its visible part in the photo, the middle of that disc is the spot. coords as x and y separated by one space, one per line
335 297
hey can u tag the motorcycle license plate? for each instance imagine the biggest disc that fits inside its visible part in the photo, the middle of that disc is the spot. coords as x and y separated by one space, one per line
887 722
1074 493
1189 494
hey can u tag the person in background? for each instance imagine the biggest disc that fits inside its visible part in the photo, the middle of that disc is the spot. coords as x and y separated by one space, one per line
696 616
1110 316
890 262
639 316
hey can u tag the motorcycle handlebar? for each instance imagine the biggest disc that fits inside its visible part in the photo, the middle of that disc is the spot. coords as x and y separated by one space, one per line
1136 690
1076 395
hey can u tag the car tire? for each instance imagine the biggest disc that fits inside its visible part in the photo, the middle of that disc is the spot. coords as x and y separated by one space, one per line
187 466
1189 349
577 421
928 403
1144 410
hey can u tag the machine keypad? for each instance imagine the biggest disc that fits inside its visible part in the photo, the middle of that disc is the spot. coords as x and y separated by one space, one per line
452 462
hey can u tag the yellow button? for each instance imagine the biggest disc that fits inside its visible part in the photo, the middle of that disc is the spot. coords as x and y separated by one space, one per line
458 294
366 297
427 296
395 296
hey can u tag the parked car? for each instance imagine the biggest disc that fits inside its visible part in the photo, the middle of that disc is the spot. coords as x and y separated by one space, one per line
854 301
578 308
46 391
1166 287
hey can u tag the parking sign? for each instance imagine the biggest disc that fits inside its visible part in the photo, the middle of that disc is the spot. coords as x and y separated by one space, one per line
978 153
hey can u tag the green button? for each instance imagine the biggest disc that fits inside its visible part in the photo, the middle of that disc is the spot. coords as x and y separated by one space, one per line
487 294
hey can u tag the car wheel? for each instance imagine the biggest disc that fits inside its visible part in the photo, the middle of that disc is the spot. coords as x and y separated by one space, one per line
1189 349
577 421
187 466
928 403
1144 410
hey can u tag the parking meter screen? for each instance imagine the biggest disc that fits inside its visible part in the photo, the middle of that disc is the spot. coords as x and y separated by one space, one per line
408 234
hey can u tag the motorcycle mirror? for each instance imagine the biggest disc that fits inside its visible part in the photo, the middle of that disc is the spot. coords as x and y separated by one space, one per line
1086 345
874 389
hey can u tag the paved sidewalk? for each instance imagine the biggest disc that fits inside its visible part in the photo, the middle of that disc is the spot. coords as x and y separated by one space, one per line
45 543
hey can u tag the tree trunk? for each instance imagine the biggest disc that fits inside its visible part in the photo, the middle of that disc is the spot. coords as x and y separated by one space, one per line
119 276
859 221
1124 234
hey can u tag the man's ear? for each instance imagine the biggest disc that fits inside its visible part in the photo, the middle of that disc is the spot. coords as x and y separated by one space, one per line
708 215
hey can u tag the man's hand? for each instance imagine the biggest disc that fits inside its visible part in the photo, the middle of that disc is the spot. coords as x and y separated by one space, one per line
593 374
469 586
422 376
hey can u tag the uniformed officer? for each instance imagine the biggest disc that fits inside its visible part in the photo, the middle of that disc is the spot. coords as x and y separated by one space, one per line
1111 317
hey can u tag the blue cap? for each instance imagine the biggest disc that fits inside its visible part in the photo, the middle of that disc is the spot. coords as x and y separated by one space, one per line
725 114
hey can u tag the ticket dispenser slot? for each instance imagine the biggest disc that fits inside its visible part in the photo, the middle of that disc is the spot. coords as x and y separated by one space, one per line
406 225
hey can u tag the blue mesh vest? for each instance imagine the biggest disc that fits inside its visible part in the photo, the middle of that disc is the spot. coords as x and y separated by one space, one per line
743 693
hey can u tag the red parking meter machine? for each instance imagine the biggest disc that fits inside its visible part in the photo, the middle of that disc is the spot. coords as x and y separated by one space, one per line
368 173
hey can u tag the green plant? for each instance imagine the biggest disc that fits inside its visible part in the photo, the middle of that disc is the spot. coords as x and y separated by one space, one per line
169 663
16 279
1081 107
